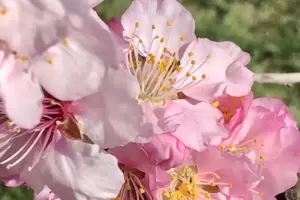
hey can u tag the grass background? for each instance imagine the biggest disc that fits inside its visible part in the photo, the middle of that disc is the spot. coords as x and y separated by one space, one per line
269 30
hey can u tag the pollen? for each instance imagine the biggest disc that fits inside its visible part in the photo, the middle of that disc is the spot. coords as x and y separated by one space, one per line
190 54
18 130
9 166
10 123
194 78
193 62
260 194
29 169
261 157
153 26
156 37
4 11
188 74
169 23
137 24
230 185
65 42
255 140
203 76
216 104
231 146
178 68
165 49
182 38
50 61
23 58
208 56
142 190
162 40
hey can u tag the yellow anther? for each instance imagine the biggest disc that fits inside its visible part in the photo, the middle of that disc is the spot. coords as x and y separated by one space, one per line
203 76
169 23
182 38
207 195
156 37
178 68
18 130
231 146
117 198
208 56
193 62
162 40
29 169
4 11
230 185
131 47
137 24
9 166
217 176
65 42
171 80
190 54
165 89
194 78
188 74
215 104
23 58
140 41
50 61
153 26
165 49
261 157
142 191
255 140
10 123
261 194
128 187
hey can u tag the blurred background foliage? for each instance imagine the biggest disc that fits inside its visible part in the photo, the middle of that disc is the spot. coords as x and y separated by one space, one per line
269 30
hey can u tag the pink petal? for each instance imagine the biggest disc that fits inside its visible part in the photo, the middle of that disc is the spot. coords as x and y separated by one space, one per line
198 124
158 13
77 64
22 96
41 32
75 170
112 116
223 71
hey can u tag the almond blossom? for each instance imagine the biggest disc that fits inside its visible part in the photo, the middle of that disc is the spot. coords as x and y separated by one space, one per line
269 137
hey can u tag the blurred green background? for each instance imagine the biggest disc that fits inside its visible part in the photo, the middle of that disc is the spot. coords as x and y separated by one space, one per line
269 30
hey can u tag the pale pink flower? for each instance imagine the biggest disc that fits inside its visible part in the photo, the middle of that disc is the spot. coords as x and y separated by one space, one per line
166 63
64 46
269 137
49 155
209 174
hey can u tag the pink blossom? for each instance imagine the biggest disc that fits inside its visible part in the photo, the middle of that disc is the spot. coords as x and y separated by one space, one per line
269 137
82 52
52 154
209 174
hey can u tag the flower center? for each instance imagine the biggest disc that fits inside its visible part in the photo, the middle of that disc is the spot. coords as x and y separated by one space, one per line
55 121
246 147
133 188
189 184
160 71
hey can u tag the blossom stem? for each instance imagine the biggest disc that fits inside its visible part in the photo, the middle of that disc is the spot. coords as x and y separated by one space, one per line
279 78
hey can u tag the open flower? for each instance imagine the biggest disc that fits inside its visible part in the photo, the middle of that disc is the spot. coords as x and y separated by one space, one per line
209 174
52 154
269 137
65 46
166 64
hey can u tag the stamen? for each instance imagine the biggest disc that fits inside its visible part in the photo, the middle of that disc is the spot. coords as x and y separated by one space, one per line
4 11
50 61
65 42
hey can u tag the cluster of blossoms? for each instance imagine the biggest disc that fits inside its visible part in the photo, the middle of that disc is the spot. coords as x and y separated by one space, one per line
135 109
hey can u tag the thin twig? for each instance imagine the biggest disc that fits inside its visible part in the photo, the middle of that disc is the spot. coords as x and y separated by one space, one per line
279 78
